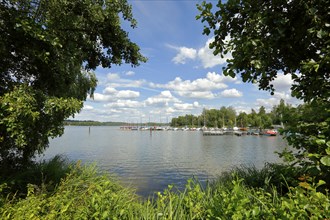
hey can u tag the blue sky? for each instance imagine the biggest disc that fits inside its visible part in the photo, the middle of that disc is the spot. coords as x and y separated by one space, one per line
180 77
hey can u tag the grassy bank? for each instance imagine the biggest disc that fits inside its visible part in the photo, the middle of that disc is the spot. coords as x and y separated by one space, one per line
244 193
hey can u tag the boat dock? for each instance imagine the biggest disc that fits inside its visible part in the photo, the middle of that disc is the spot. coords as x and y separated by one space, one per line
212 133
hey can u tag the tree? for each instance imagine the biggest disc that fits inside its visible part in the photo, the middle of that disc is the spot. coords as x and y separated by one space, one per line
265 119
243 119
265 37
254 119
262 111
289 37
48 50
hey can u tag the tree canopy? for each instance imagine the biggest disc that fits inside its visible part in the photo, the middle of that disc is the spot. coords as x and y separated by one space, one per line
268 38
48 50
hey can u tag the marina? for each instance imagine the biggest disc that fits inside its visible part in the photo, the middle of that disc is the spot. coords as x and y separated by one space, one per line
206 131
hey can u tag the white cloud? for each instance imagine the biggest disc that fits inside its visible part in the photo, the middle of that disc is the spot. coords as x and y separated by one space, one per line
231 93
127 94
283 82
98 97
200 88
201 84
197 94
185 106
204 55
127 83
184 54
111 94
275 100
166 94
170 110
88 107
129 73
207 57
214 77
110 90
123 104
163 99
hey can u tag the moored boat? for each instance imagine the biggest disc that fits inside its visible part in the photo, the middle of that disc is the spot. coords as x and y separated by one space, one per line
270 133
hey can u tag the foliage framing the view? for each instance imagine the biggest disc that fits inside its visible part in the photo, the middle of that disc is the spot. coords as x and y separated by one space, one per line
290 37
85 194
48 50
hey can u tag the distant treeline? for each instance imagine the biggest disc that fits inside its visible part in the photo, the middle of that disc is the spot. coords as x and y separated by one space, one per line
97 123
92 123
282 114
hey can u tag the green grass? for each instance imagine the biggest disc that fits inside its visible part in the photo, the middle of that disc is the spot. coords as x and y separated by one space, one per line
84 193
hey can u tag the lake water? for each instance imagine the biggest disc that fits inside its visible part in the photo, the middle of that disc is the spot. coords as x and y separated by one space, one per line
150 162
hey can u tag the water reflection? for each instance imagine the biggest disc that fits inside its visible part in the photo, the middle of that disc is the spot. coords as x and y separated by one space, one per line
152 162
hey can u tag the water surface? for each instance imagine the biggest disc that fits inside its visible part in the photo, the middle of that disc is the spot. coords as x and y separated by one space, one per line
150 162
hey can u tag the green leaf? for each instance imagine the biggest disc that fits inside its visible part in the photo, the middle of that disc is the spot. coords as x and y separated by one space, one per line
320 183
328 144
325 160
321 33
320 141
327 150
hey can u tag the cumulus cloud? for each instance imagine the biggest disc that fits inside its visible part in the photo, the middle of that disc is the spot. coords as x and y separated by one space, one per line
98 97
204 55
183 106
275 100
207 57
197 94
214 77
127 83
111 94
282 85
184 53
201 84
170 110
186 106
88 107
199 88
163 99
283 82
123 104
110 90
129 73
231 93
127 94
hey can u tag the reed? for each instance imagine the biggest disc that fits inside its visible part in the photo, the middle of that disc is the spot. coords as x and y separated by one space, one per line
280 176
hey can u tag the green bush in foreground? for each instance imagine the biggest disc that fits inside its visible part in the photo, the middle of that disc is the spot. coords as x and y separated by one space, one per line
272 175
85 194
44 174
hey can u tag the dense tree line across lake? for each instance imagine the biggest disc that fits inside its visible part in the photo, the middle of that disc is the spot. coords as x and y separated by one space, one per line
108 123
91 123
281 114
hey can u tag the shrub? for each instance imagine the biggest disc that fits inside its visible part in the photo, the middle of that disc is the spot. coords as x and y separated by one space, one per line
44 174
86 194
